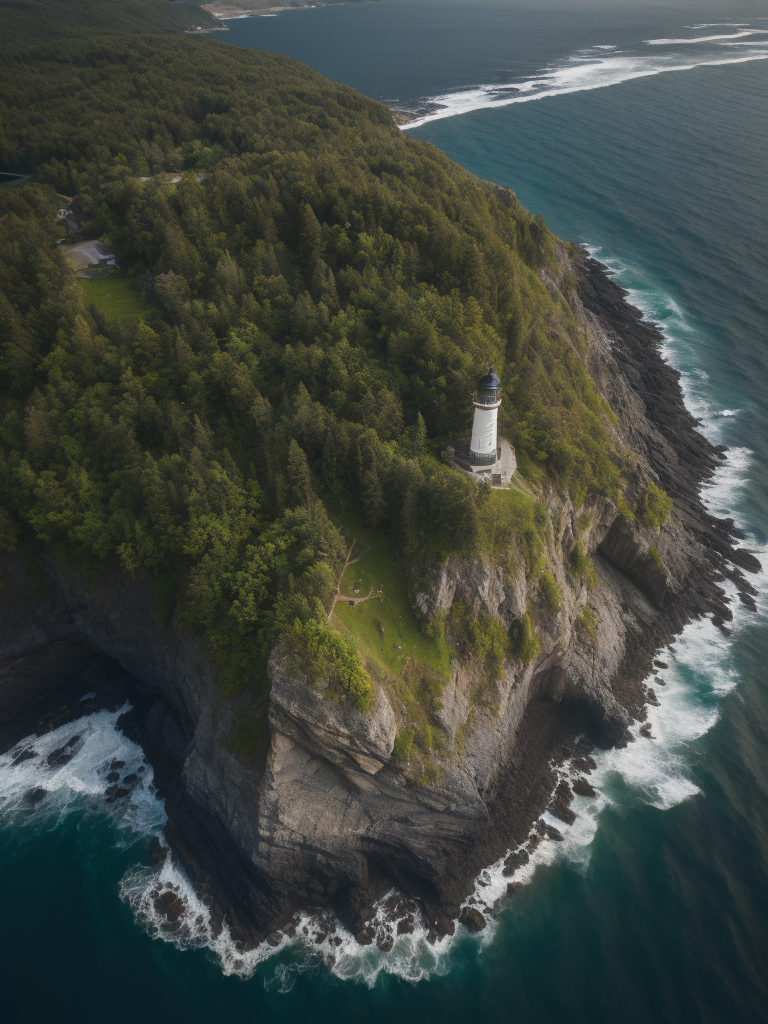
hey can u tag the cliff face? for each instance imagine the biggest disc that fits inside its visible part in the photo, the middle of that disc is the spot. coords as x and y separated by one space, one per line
323 812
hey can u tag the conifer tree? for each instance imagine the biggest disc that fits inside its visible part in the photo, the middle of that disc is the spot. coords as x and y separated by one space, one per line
373 497
299 477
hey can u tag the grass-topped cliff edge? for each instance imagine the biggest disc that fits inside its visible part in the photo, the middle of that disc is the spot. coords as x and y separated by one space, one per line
305 300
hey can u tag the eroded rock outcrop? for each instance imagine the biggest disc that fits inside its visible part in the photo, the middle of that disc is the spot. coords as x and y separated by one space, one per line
320 811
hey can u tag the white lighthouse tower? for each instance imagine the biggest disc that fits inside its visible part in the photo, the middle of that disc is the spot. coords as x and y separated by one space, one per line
485 456
483 446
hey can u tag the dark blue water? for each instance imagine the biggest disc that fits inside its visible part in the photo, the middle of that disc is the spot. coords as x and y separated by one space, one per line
656 908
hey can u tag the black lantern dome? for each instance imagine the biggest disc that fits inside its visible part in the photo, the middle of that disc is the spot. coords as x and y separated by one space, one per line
489 382
488 389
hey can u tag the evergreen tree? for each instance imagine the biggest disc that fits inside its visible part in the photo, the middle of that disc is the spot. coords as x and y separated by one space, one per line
373 497
299 478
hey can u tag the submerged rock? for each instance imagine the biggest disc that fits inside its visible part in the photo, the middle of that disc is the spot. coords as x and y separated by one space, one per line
515 861
114 793
582 788
472 919
25 755
63 754
585 764
560 806
170 905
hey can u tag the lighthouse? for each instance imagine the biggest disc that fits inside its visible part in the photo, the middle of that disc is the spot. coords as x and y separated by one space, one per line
483 445
484 455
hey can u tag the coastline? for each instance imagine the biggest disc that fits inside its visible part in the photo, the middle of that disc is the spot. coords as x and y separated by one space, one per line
551 745
225 11
550 736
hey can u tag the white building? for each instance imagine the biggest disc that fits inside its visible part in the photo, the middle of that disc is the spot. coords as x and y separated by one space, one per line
484 455
482 448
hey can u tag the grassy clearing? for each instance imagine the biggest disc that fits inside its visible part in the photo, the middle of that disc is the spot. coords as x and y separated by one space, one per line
506 514
386 626
116 298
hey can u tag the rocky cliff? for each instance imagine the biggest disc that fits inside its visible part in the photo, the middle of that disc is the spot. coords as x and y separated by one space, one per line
322 812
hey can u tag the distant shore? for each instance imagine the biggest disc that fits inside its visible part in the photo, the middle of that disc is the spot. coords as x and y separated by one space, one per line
225 10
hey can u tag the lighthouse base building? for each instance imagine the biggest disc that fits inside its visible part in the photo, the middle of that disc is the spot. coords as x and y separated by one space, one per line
484 455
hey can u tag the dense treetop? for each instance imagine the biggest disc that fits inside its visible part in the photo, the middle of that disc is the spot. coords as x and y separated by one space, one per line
315 297
26 23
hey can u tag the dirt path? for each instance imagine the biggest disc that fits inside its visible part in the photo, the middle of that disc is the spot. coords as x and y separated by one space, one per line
344 598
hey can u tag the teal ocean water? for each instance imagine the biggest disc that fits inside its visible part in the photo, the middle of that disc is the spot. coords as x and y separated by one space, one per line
640 130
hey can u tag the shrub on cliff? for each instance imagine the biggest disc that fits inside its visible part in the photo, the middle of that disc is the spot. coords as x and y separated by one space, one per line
551 591
325 656
483 637
526 644
655 506
587 624
403 745
657 559
581 565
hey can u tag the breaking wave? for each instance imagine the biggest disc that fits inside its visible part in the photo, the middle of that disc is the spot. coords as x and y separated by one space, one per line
598 68
88 765
91 767
730 36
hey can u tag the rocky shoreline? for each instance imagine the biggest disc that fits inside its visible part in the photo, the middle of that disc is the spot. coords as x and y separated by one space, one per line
322 817
556 733
224 9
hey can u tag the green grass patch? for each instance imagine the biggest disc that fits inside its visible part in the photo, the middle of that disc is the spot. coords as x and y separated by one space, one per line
386 625
526 644
403 745
506 515
551 591
116 298
581 565
587 624
655 506
653 552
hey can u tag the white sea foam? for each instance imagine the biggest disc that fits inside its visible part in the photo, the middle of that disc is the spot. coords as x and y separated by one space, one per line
655 771
730 36
42 765
573 77
700 670
187 922
600 67
314 939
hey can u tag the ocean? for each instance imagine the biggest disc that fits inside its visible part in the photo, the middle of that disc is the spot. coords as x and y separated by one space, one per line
640 130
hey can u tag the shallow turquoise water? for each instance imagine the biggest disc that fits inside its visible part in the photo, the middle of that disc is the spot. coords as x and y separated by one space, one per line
659 910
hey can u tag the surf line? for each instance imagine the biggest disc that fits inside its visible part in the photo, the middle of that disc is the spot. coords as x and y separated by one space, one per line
577 77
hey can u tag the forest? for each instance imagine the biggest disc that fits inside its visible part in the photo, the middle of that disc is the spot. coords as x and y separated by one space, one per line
314 297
